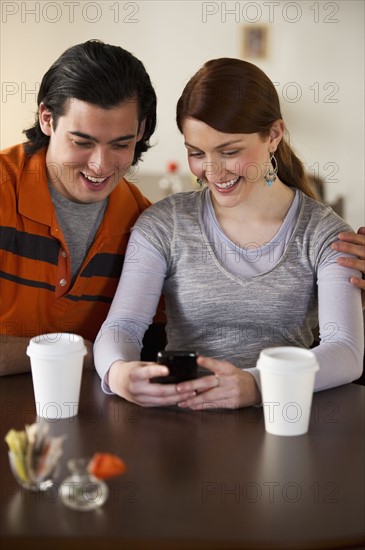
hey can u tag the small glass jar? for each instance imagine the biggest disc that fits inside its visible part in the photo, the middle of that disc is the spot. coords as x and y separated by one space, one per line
42 485
81 490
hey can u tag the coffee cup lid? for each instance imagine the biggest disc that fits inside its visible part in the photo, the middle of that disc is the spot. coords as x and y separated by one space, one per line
53 344
279 358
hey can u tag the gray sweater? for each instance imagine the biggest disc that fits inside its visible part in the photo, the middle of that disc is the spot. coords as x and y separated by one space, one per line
231 317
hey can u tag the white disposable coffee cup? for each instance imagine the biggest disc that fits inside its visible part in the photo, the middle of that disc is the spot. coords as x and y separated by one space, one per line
56 362
287 380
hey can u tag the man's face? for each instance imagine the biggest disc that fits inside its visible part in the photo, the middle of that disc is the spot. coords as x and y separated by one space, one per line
91 148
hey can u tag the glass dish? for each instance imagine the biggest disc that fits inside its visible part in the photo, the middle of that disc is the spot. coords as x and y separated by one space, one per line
41 485
81 490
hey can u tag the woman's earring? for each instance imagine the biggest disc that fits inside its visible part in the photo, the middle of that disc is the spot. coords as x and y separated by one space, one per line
272 170
199 182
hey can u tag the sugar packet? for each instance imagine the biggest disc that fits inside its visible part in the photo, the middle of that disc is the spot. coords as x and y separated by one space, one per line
35 455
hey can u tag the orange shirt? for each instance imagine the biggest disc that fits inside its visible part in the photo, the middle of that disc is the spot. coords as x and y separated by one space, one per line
35 272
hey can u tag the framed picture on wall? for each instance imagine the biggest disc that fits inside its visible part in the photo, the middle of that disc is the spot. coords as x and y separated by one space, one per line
254 39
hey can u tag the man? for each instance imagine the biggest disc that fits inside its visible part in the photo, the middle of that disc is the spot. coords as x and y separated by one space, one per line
66 209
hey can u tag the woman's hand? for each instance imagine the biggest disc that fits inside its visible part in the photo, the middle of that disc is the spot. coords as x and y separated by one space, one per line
353 243
131 380
228 387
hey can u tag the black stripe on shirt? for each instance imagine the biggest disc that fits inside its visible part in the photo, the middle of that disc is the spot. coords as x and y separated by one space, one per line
89 298
26 282
46 286
104 265
35 247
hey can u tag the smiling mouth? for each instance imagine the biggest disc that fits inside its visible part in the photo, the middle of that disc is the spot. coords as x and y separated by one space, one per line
227 184
95 180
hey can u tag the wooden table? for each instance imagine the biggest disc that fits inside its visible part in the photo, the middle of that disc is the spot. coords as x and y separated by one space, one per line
198 480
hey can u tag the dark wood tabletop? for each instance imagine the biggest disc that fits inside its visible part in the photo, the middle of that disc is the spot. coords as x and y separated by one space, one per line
197 480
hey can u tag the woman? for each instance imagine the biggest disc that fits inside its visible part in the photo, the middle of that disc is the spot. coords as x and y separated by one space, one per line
244 264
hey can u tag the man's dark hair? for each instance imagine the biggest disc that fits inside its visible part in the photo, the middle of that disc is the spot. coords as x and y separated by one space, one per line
100 74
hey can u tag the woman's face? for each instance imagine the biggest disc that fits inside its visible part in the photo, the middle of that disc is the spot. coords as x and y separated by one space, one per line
230 164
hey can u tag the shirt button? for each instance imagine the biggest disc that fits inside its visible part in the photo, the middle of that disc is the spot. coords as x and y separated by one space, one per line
64 254
63 282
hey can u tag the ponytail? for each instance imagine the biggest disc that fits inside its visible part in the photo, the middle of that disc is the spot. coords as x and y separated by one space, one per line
291 169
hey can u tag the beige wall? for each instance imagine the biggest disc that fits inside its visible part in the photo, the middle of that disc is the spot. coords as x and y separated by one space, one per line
315 57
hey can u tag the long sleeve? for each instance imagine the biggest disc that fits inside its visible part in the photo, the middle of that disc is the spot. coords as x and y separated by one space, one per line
341 348
133 306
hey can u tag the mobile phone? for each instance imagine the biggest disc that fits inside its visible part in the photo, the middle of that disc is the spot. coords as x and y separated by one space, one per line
181 364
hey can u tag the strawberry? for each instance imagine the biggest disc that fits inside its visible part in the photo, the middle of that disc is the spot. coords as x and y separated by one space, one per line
106 465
